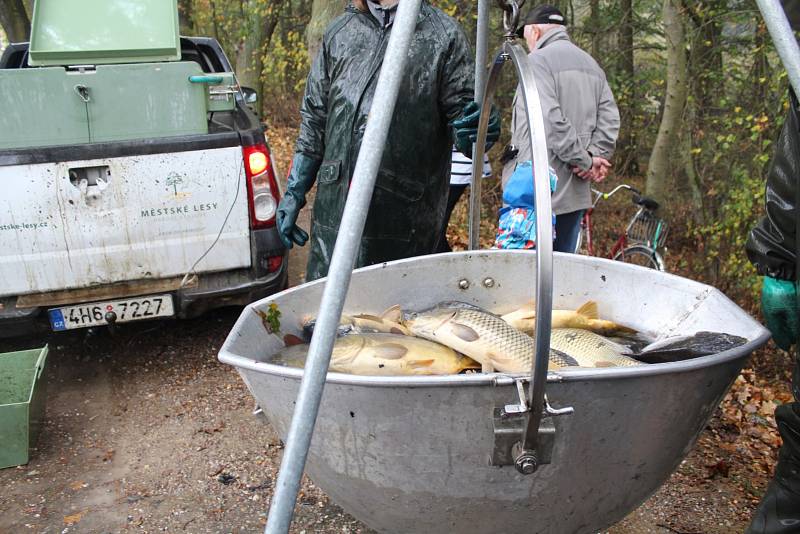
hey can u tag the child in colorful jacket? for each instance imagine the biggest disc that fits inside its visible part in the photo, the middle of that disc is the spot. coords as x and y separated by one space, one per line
516 228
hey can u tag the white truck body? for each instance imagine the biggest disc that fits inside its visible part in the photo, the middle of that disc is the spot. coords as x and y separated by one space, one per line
126 218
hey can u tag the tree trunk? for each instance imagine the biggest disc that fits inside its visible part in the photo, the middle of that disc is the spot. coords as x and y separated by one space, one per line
658 169
15 21
250 52
626 160
594 10
705 60
322 13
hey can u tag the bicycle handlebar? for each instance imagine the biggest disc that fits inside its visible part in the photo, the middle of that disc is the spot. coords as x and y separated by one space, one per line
606 196
639 199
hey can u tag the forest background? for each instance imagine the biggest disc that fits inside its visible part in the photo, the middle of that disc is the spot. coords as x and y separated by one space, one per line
700 89
702 97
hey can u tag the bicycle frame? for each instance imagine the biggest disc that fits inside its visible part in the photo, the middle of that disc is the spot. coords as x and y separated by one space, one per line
586 221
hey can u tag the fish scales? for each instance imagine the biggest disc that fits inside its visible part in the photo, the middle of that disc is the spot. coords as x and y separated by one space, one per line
490 340
383 354
584 345
501 338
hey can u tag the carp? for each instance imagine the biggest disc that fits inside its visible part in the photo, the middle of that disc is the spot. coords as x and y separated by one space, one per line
389 322
489 340
585 317
590 349
383 355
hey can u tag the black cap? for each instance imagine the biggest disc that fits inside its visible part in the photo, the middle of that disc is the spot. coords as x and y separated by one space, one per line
542 14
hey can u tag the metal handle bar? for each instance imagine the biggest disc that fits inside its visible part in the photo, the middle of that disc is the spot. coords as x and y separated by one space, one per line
205 79
526 461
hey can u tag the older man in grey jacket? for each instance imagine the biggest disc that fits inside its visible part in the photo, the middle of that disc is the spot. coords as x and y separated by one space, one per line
580 115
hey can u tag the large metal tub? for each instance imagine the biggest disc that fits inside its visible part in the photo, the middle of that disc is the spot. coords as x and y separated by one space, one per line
411 454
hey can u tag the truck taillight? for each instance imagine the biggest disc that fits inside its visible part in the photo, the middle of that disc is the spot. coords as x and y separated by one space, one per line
262 188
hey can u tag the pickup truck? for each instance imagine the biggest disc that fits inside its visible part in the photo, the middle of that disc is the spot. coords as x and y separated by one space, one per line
122 202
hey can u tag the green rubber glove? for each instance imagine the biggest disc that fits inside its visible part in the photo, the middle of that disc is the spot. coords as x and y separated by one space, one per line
779 306
301 179
465 128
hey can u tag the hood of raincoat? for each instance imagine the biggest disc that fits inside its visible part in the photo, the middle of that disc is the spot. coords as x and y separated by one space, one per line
408 204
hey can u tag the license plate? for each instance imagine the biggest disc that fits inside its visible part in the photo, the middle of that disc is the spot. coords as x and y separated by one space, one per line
96 313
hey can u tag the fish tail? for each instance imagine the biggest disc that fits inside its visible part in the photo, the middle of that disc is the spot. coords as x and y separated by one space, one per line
609 327
589 310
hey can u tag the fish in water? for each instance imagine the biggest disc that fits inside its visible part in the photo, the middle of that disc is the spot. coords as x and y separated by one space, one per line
384 355
487 339
585 317
389 322
590 349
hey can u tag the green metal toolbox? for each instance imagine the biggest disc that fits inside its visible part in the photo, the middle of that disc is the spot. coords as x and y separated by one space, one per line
53 106
22 400
97 32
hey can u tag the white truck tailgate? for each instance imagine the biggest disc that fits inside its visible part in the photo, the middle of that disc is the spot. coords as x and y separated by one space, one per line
84 223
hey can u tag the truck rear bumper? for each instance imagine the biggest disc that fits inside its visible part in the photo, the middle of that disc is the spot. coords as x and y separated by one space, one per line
213 290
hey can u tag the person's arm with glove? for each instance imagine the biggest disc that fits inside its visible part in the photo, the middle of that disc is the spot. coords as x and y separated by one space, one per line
772 244
465 128
309 152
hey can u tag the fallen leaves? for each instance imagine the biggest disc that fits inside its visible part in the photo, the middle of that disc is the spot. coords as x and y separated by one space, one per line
73 519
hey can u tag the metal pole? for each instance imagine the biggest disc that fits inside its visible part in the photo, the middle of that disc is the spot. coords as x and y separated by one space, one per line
344 256
481 51
784 39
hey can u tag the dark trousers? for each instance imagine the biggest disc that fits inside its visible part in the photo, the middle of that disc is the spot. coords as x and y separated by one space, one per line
453 195
779 510
568 227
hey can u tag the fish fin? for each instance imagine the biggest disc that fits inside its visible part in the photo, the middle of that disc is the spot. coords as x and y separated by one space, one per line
519 315
487 368
603 363
290 340
464 332
506 365
393 314
601 326
416 364
465 363
562 359
399 330
589 310
367 317
390 351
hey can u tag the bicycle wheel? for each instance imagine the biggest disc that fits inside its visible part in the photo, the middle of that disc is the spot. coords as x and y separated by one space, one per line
580 246
641 255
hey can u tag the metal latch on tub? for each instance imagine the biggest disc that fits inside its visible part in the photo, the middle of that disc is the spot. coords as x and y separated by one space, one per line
509 426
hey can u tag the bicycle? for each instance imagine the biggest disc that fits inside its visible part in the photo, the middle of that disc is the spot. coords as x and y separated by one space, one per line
642 239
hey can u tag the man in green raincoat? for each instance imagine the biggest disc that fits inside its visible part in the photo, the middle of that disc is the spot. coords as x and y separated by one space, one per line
434 108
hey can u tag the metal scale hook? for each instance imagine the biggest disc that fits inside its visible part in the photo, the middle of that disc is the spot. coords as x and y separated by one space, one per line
535 439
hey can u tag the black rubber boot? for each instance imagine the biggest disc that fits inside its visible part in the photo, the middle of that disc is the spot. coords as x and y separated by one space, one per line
779 510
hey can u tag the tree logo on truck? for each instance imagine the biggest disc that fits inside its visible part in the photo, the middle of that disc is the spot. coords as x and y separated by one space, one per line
173 181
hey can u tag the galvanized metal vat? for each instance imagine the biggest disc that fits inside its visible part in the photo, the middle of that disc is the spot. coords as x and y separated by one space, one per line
411 454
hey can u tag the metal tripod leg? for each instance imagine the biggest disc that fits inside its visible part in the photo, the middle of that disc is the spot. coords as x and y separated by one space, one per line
344 256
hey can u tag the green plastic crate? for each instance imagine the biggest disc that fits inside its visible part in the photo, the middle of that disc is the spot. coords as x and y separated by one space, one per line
22 397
